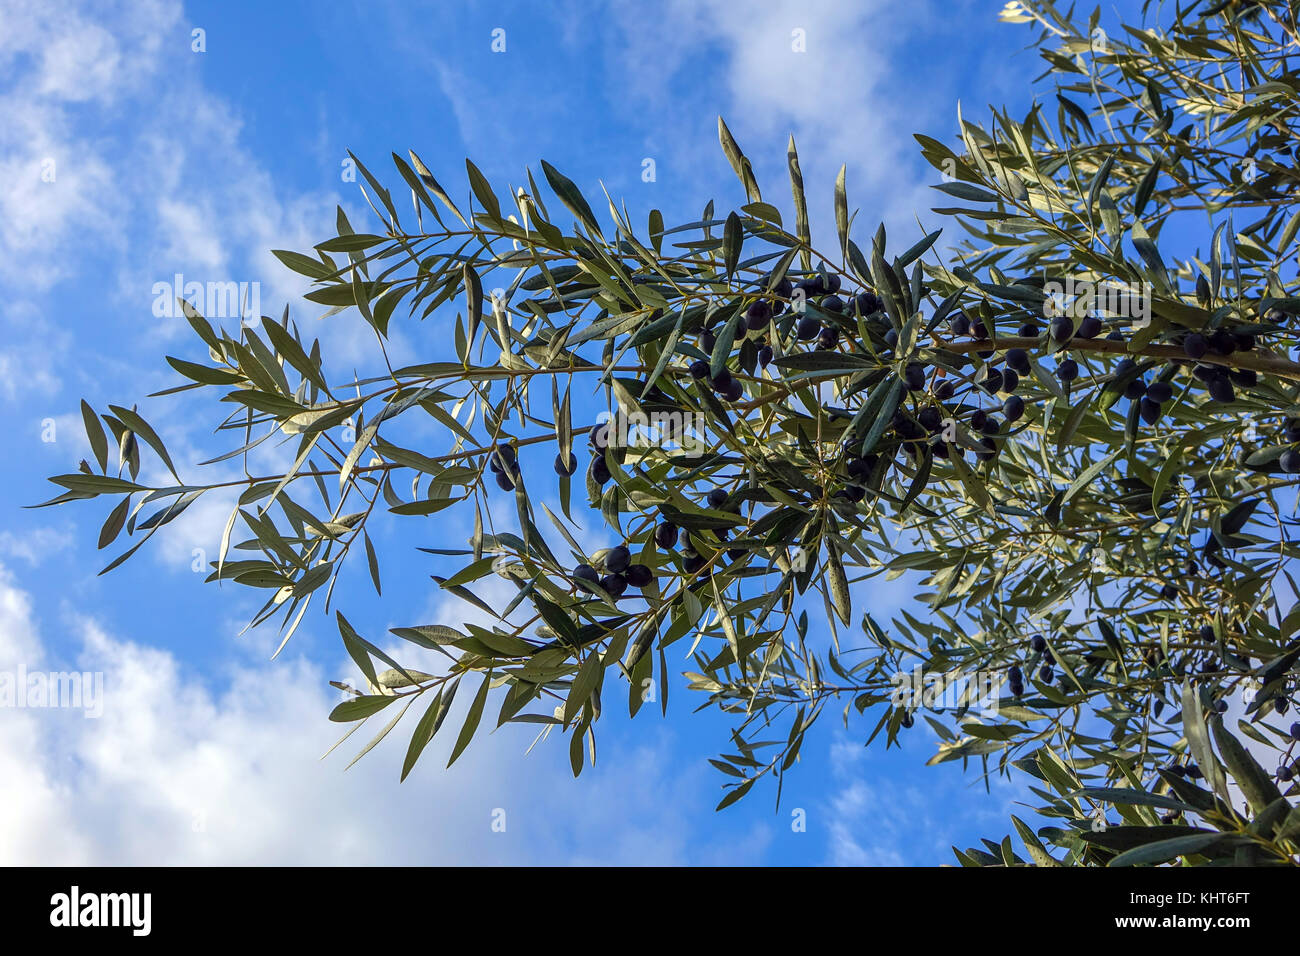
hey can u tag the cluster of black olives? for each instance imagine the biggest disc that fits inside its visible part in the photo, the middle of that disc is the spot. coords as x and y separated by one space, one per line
1041 658
621 573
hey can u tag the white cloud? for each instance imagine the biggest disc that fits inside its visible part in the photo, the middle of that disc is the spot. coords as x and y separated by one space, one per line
179 771
154 181
876 814
811 68
35 545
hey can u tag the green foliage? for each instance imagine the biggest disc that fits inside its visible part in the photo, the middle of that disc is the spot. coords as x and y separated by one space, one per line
1109 548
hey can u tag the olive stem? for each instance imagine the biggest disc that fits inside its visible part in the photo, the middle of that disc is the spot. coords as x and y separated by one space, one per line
1257 359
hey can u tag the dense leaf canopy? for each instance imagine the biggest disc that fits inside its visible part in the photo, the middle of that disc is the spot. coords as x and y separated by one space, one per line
1074 435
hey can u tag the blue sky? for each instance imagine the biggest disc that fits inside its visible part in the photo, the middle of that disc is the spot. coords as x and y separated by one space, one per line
168 160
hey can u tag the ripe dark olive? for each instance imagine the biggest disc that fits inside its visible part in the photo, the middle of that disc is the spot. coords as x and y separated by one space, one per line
1038 643
638 575
1221 389
563 468
1160 391
1068 370
494 463
1169 592
506 453
992 381
615 584
868 302
978 331
734 391
930 418
1205 373
906 427
1245 341
616 559
758 315
600 470
717 498
692 563
666 535
854 493
722 381
1062 328
1290 461
1014 674
939 448
699 369
1221 342
832 303
1285 774
1010 380
1135 389
978 418
1281 705
1018 359
1116 336
1045 674
707 341
891 338
858 468
1089 327
1013 408
832 282
945 390
1194 345
808 328
765 356
1149 409
1245 377
990 449
1028 331
585 572
991 426
828 338
1295 730
914 376
959 323
784 288
505 482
